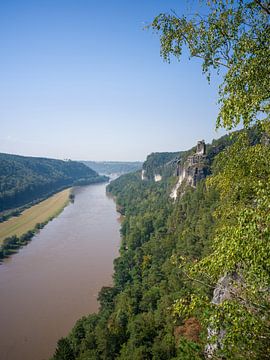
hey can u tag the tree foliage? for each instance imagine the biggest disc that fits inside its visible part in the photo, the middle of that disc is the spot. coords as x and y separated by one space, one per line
241 250
233 35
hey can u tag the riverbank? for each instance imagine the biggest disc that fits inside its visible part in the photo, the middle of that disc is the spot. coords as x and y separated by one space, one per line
56 278
17 231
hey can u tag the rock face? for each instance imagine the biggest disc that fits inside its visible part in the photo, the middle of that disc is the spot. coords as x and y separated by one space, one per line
193 170
226 288
159 166
157 177
144 177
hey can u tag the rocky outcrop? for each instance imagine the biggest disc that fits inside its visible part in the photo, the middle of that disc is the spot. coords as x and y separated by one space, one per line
159 166
194 169
157 177
181 179
143 176
227 288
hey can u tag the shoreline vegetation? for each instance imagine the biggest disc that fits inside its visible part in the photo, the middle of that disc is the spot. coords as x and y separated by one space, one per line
19 225
17 211
18 231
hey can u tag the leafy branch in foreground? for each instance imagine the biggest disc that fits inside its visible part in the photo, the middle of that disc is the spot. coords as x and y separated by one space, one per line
233 36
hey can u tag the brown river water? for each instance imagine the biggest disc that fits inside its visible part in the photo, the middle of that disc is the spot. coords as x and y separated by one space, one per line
55 279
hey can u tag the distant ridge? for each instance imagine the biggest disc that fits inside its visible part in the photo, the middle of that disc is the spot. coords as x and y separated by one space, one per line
114 167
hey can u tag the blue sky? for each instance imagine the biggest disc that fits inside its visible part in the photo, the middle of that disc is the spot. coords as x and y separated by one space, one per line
81 79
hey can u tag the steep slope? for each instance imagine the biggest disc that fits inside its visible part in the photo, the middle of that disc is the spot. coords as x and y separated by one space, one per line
184 164
26 179
134 321
159 165
162 306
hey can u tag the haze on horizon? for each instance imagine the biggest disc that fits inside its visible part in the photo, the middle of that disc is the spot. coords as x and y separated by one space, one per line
83 80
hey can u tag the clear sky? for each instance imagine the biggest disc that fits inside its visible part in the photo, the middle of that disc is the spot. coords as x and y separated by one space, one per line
82 79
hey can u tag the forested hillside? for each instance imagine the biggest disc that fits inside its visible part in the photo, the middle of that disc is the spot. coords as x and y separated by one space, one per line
162 241
26 179
136 315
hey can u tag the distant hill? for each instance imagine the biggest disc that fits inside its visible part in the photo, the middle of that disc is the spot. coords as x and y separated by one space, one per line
27 179
113 167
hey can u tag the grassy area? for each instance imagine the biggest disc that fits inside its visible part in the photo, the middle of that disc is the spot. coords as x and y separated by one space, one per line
39 213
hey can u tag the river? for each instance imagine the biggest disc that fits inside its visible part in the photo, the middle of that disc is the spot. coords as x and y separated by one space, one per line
55 279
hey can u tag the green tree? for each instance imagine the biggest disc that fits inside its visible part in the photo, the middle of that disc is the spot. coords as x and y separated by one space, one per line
232 35
64 350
